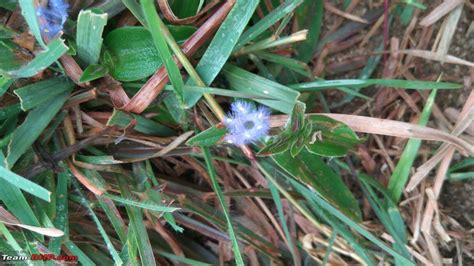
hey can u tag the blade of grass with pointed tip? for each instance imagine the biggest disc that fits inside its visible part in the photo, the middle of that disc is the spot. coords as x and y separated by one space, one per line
265 23
53 52
355 226
281 215
36 121
401 173
110 247
136 10
266 167
144 205
89 40
136 222
28 10
153 22
157 197
220 197
244 81
360 83
222 45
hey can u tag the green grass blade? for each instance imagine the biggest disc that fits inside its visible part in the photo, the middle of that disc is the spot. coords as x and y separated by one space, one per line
355 226
9 111
244 81
360 83
89 36
61 220
265 23
24 184
186 261
313 9
4 84
28 11
100 227
40 92
35 122
114 216
220 197
53 52
15 201
136 10
222 45
281 215
401 173
136 222
154 22
82 257
332 239
143 205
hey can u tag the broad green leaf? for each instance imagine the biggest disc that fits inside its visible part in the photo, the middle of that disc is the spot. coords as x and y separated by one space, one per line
36 121
330 137
244 81
90 26
53 52
93 72
43 91
310 169
222 45
208 137
131 54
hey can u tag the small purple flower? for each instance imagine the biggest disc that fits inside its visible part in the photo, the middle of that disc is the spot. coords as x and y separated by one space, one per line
52 17
246 124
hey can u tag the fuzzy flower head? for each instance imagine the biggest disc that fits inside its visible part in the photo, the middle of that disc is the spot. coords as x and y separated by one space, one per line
52 17
246 124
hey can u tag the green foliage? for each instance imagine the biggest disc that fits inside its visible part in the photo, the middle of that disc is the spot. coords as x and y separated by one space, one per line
157 197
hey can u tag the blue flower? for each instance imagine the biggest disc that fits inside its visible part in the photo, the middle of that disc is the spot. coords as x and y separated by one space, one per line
52 17
246 124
